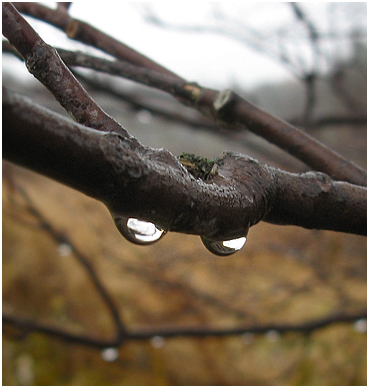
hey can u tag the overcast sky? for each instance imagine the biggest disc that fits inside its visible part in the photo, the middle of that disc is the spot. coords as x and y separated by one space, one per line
212 59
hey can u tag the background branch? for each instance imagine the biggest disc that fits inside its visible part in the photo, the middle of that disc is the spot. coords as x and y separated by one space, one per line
306 328
281 44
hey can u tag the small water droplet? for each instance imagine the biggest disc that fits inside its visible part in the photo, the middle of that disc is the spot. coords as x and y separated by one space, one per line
224 248
144 116
25 370
360 325
64 249
110 354
157 341
137 231
273 335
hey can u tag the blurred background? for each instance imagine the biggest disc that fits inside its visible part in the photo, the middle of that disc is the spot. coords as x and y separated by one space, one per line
303 62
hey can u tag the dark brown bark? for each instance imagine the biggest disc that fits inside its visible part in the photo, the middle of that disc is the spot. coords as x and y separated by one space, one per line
137 181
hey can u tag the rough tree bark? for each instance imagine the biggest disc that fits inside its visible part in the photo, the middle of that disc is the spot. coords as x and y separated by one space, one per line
100 158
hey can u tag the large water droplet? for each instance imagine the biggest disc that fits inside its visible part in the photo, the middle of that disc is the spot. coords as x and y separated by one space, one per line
224 248
137 231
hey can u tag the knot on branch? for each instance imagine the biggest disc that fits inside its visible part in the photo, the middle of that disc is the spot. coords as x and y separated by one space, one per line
320 183
198 166
223 105
242 188
38 60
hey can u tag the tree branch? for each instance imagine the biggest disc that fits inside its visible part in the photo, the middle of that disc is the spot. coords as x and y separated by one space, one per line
149 184
305 328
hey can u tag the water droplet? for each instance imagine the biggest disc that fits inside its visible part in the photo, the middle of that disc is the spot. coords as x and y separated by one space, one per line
138 232
144 116
273 335
25 370
360 325
157 341
110 354
224 248
64 249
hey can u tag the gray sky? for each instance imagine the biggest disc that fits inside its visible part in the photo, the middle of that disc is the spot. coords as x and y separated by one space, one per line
212 59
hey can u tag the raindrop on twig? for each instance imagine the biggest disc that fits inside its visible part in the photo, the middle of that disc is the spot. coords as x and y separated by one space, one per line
157 341
224 248
110 354
273 335
137 231
64 249
360 325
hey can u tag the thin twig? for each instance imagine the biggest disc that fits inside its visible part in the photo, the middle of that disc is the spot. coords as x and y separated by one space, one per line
194 332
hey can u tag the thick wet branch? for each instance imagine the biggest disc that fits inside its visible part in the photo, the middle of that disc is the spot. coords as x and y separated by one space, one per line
152 185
